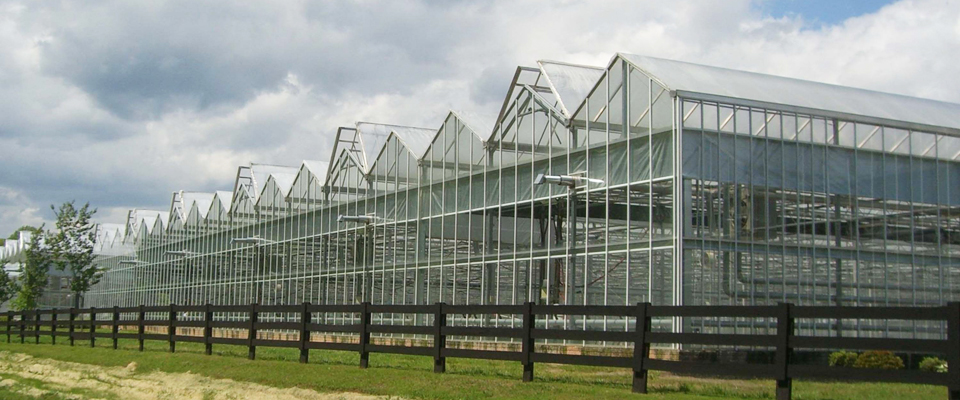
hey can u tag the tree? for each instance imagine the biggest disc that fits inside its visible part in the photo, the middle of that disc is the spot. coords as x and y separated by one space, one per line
8 287
33 273
16 234
72 247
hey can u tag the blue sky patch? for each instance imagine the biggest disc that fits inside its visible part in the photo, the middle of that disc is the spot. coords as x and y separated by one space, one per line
823 11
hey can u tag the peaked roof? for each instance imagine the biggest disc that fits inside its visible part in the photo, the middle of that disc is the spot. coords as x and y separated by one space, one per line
314 170
261 172
346 139
417 140
317 168
534 96
374 136
473 122
695 78
284 180
251 180
345 154
479 123
162 218
138 218
570 82
224 198
107 233
201 200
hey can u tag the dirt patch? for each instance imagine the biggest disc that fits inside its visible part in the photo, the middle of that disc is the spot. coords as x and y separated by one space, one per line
39 376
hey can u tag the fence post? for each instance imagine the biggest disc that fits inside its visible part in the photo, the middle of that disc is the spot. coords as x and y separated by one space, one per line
71 326
93 327
36 325
9 325
252 333
141 316
641 349
172 328
53 327
116 326
439 339
305 317
208 330
364 334
784 332
23 326
953 349
527 341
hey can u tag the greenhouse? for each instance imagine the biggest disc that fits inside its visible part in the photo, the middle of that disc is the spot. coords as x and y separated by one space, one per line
649 180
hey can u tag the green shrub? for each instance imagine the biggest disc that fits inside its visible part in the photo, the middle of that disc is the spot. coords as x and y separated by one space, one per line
933 364
878 360
843 358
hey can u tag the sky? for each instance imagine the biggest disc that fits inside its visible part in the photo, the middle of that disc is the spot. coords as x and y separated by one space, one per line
121 103
820 12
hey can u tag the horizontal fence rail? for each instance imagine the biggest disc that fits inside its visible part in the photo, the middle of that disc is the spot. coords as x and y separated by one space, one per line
86 324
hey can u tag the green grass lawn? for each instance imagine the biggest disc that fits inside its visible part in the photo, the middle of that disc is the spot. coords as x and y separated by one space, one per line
413 377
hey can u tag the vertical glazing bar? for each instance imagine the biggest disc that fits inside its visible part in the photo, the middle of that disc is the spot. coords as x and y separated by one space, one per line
650 193
628 156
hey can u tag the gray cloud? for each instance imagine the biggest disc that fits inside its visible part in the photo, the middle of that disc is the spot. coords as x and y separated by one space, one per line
142 62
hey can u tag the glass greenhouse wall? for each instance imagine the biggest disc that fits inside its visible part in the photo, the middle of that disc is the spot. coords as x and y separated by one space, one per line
694 186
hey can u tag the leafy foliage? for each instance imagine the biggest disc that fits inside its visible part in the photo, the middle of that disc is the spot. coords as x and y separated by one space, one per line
72 247
33 273
877 359
843 358
16 234
8 286
933 364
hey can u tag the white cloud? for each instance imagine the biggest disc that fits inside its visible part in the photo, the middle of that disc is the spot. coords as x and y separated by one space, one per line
121 104
16 210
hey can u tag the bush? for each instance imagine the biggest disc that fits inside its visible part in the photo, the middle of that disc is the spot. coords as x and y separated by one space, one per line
933 364
878 360
843 358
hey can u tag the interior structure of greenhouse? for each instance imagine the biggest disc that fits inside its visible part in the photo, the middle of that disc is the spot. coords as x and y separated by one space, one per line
649 180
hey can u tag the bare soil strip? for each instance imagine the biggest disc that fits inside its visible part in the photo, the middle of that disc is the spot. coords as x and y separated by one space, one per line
36 377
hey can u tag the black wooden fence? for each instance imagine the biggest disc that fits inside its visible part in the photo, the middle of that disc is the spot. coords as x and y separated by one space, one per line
82 324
